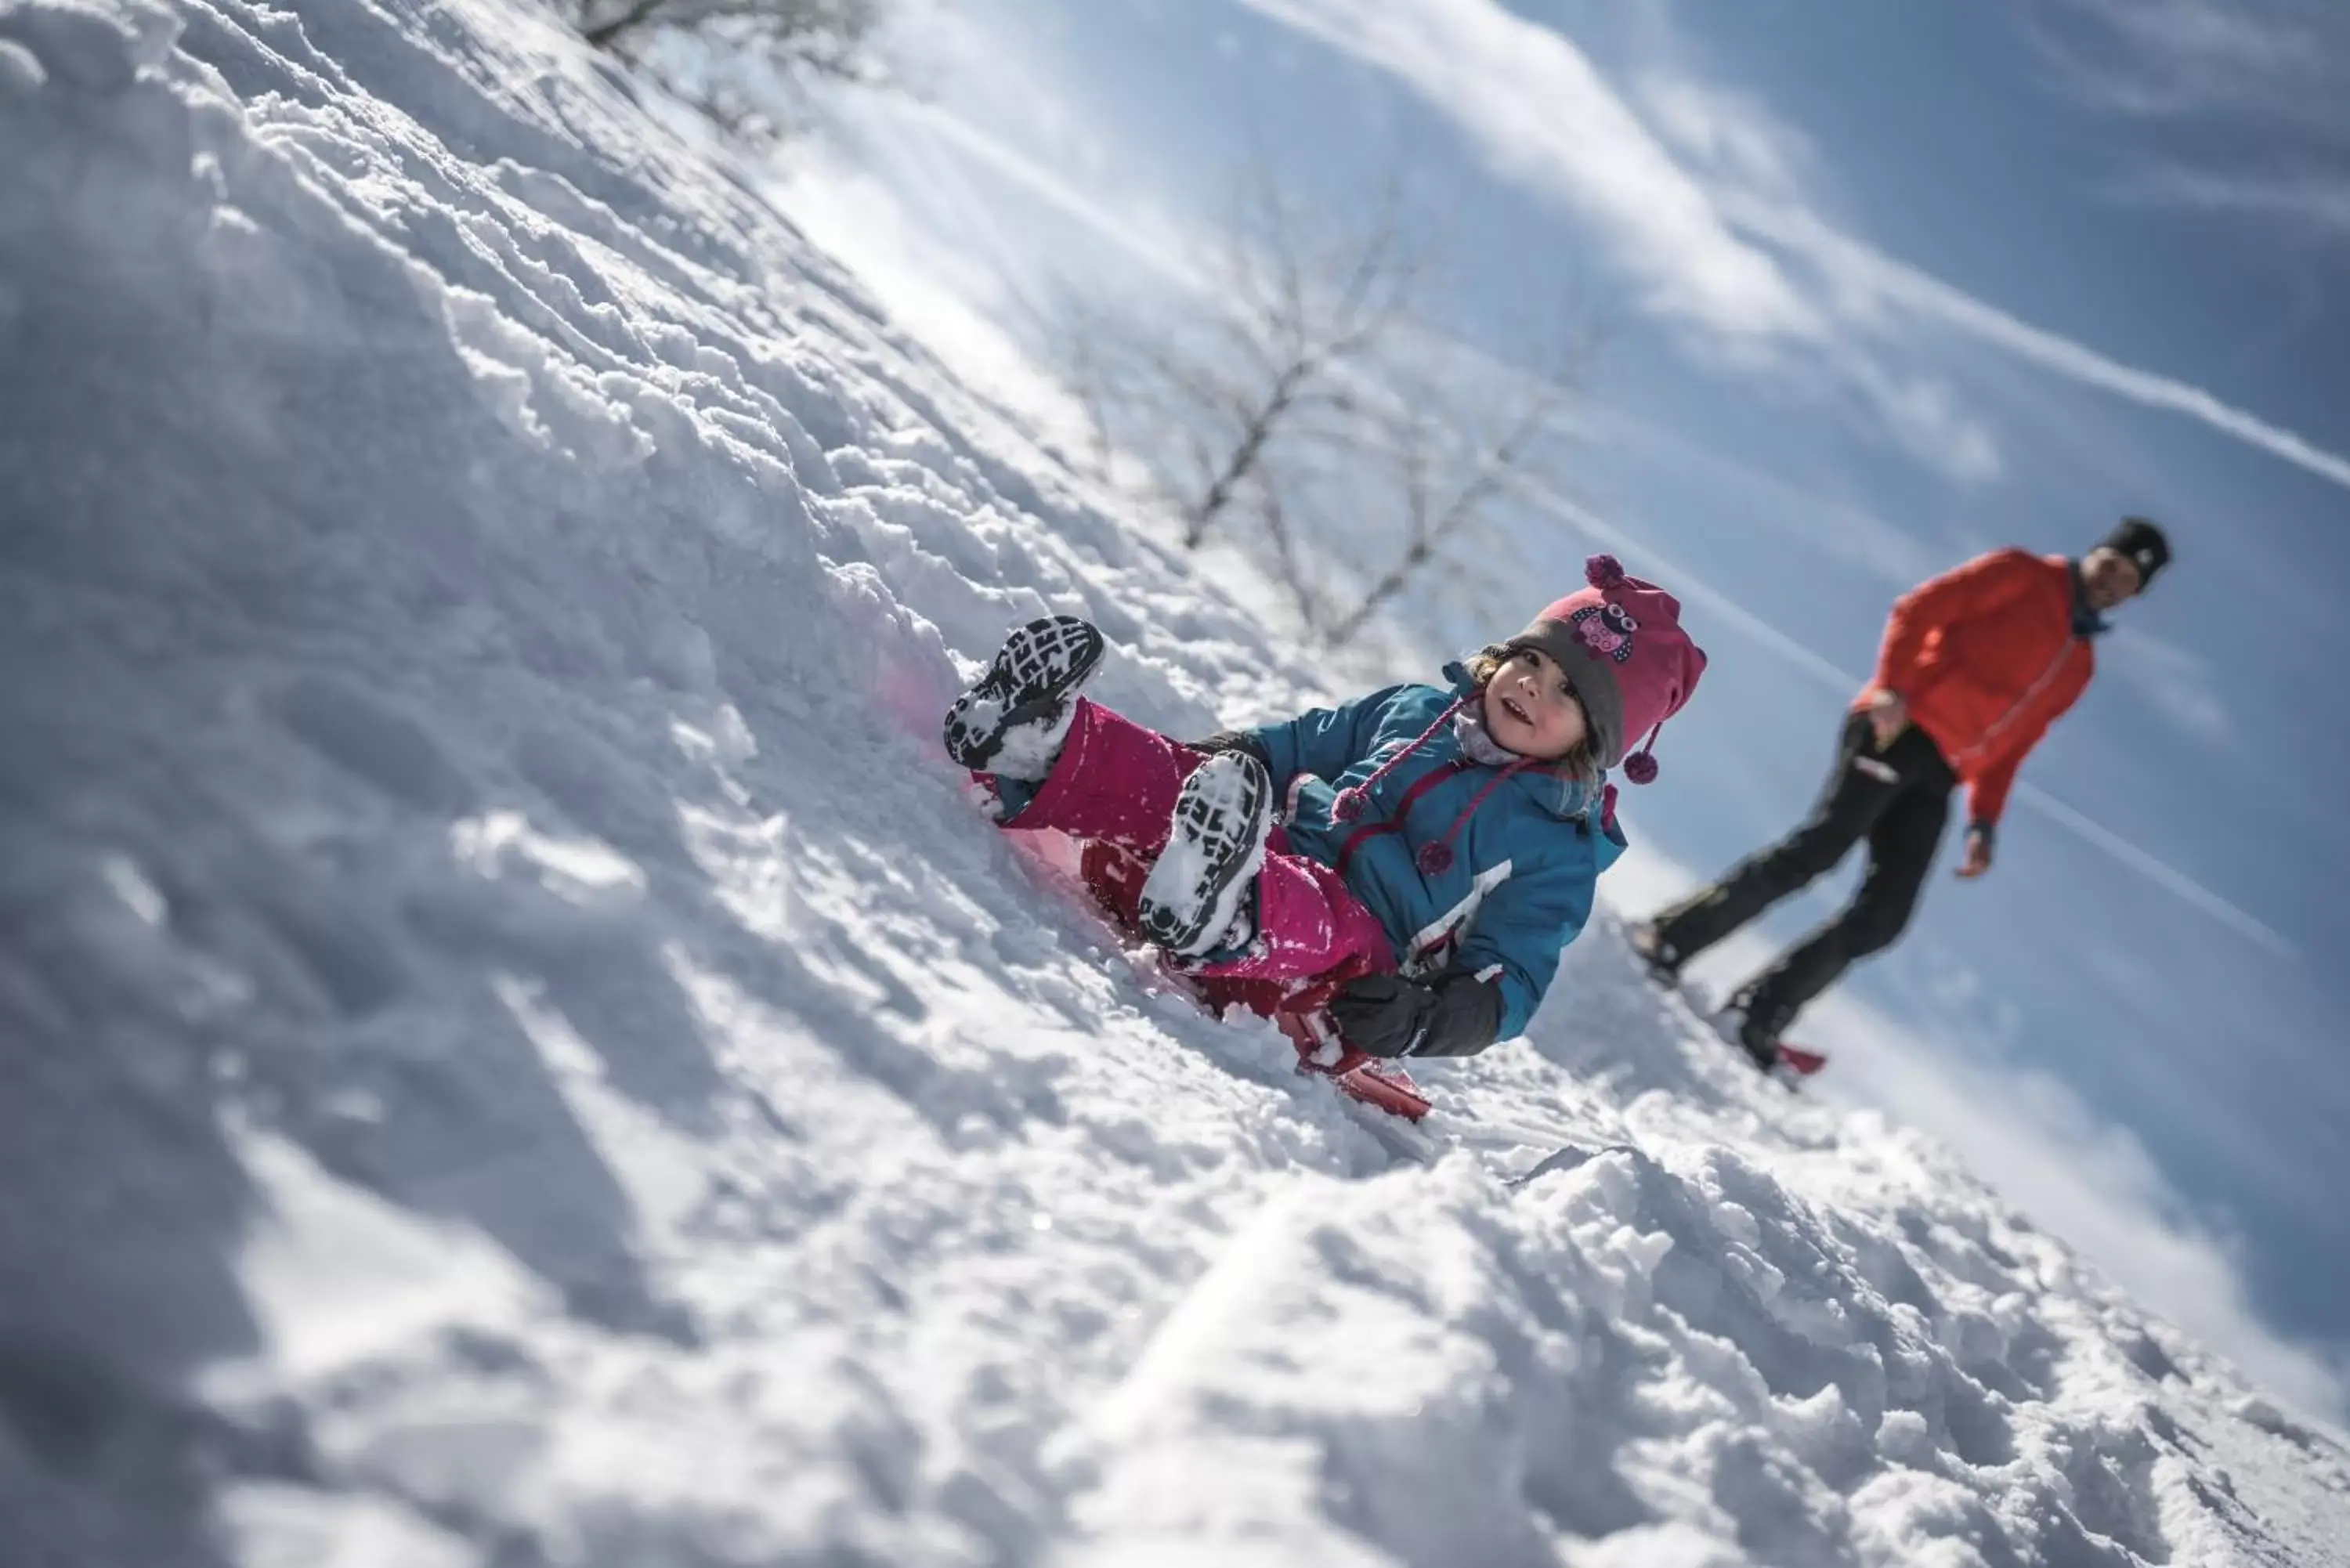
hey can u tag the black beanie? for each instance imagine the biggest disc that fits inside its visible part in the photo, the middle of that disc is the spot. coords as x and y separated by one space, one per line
2143 542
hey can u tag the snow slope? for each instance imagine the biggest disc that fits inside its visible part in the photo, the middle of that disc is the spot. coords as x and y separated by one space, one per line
514 1048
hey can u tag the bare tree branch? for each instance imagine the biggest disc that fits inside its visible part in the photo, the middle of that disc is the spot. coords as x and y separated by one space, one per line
1297 405
785 41
1501 462
1275 520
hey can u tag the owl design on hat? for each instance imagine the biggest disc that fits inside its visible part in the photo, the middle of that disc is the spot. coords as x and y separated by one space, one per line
1606 629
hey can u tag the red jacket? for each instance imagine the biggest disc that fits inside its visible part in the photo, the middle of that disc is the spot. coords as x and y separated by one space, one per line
1986 657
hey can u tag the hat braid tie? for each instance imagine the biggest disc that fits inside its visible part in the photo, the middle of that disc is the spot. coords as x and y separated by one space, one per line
1352 801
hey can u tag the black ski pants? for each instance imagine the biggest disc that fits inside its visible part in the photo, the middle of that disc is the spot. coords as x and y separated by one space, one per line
1898 799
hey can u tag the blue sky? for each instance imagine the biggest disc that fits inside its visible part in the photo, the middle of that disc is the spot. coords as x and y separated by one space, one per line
1889 285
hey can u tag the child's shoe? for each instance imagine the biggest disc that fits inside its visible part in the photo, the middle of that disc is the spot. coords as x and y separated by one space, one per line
1014 720
1196 887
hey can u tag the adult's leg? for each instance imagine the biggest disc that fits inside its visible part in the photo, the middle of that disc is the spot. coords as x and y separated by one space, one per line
1900 854
1859 787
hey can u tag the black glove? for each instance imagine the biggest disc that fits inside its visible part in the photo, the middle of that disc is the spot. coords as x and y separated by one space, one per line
1233 740
1387 1015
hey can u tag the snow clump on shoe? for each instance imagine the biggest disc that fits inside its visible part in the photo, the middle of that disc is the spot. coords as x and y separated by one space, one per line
1014 720
1196 887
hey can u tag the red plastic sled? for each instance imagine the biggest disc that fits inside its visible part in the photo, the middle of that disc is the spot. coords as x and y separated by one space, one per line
1113 878
1375 1081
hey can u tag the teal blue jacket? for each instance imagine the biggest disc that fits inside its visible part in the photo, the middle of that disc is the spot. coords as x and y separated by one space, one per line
1523 863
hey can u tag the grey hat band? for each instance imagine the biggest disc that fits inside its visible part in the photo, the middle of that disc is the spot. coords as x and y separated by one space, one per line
1595 684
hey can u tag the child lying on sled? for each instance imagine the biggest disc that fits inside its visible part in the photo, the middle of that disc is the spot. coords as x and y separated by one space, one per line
1435 846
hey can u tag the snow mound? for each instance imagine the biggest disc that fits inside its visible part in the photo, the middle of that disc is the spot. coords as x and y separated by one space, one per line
515 1047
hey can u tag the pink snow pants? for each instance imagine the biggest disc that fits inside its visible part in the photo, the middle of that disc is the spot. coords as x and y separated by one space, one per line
1114 786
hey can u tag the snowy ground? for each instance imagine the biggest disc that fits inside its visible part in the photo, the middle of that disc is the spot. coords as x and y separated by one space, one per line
514 1048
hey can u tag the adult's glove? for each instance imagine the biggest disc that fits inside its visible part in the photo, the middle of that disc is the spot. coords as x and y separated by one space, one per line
1387 1015
1888 715
1232 740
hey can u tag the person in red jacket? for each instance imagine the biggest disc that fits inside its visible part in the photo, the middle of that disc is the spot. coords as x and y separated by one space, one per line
1976 664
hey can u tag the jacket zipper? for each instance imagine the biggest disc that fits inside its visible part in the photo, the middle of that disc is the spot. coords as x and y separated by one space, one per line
1427 782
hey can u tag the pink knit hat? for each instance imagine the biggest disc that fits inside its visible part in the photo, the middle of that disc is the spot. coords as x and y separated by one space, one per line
1620 641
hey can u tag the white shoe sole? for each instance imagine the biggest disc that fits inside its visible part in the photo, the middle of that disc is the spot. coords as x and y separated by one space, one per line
1215 849
1036 671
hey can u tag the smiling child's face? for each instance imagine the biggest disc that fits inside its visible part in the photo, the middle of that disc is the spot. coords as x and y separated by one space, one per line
1530 707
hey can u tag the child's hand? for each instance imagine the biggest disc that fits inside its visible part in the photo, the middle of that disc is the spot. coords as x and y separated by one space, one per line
1230 741
1384 1015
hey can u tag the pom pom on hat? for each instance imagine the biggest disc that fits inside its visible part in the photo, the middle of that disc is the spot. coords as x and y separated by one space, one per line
1602 572
1641 767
